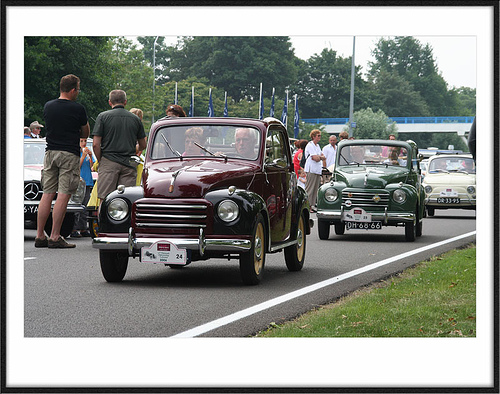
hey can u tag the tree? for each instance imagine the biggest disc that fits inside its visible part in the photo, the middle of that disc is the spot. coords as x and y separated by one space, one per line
373 125
236 64
324 86
406 57
47 59
396 96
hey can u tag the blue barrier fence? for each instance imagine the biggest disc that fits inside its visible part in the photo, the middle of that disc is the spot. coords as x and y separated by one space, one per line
405 120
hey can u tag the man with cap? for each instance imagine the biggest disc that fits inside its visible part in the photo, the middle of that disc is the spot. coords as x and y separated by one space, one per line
35 129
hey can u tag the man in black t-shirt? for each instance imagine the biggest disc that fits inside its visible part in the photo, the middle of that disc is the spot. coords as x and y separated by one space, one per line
65 122
118 134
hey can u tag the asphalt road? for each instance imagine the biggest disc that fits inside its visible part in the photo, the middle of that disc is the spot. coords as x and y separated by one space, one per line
66 295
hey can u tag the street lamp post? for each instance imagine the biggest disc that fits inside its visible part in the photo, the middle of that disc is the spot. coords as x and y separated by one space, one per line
351 103
154 77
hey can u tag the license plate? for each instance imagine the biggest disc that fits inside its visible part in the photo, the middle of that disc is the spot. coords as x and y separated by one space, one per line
357 215
163 252
30 208
448 200
363 225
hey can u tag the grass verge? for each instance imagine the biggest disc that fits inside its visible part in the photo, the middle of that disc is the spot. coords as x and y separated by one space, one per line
436 298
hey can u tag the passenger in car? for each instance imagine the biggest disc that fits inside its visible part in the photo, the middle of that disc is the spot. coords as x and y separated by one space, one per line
194 134
245 141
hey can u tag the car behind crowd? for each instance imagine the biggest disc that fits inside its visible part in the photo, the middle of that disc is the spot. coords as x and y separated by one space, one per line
34 153
375 183
450 183
201 197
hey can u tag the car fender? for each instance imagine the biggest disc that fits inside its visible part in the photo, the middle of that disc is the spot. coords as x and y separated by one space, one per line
108 225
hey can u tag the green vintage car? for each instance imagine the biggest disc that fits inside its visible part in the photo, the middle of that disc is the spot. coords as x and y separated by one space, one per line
375 183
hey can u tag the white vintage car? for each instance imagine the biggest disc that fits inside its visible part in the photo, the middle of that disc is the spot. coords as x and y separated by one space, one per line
450 183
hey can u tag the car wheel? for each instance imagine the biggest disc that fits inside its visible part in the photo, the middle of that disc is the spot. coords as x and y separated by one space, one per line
339 228
430 211
323 229
66 226
114 264
410 231
295 254
252 262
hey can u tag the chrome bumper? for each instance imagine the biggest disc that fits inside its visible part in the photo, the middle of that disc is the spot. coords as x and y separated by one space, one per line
384 217
201 244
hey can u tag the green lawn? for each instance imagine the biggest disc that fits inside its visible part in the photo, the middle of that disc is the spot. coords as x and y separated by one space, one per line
436 298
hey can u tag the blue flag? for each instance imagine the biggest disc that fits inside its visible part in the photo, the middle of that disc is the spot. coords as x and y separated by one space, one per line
225 105
261 104
296 119
271 111
284 114
191 106
210 105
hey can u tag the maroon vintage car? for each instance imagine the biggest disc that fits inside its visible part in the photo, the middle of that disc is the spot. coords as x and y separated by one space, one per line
211 188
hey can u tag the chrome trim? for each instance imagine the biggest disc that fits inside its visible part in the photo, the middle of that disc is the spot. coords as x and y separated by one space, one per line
385 217
223 245
171 206
150 215
282 246
166 225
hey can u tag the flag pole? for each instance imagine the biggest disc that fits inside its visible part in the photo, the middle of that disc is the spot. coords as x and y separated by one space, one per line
175 99
260 100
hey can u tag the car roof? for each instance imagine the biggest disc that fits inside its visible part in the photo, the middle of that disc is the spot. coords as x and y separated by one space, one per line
244 122
451 156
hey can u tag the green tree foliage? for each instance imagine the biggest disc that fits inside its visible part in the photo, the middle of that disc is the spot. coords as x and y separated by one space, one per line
406 57
236 64
396 96
372 125
466 98
47 59
324 86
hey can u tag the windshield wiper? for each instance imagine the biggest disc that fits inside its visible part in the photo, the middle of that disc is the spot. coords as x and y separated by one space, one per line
218 154
170 147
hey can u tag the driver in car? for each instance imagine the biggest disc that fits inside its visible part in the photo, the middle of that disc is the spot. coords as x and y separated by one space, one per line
245 141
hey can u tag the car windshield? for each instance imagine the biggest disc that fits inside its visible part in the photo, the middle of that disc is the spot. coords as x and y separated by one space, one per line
34 153
206 140
387 155
452 164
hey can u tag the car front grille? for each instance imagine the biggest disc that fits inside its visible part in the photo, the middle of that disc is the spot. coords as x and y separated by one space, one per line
172 217
32 191
375 200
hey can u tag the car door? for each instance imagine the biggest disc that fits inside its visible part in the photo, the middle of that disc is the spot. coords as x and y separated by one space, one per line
278 179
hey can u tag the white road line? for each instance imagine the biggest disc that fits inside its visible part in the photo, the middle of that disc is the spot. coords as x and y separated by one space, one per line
30 258
297 293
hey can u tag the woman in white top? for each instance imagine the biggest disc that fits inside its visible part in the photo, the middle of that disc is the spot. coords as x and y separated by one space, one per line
313 167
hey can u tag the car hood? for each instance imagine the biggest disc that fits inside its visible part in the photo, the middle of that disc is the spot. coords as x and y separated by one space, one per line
371 177
33 172
194 178
451 179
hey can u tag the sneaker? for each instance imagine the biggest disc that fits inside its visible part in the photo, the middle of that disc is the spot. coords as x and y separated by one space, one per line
59 244
85 233
76 234
41 242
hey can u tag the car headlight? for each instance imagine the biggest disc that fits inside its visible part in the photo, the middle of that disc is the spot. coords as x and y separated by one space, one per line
118 209
428 189
471 189
228 210
331 194
399 196
78 196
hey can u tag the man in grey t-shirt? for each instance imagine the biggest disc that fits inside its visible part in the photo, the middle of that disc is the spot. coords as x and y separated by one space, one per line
117 135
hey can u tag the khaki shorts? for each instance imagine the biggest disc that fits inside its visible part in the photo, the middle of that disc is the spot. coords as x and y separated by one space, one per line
112 174
61 172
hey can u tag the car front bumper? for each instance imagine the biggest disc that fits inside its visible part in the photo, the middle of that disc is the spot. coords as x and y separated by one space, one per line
385 217
201 244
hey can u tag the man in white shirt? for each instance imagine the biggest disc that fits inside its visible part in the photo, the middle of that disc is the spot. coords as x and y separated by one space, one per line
314 167
330 152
